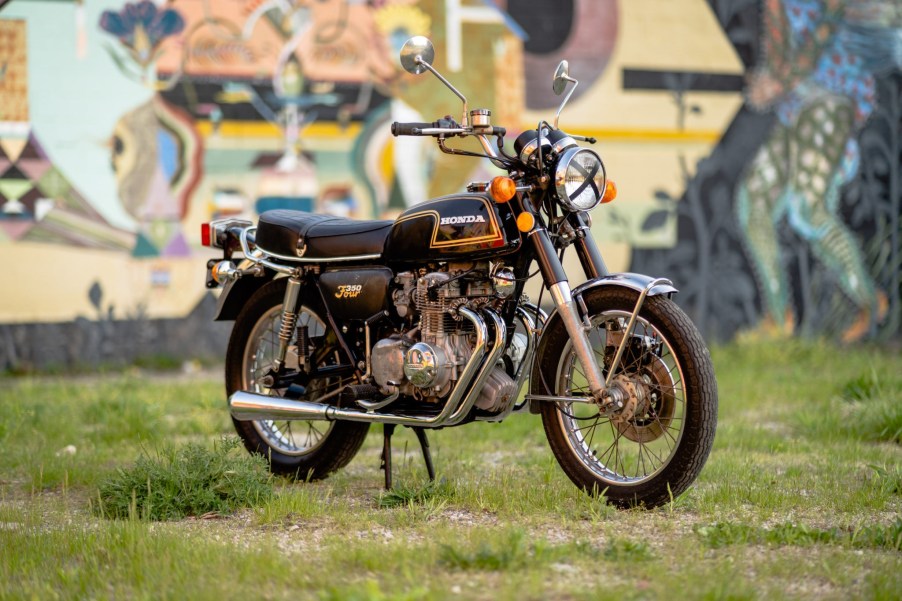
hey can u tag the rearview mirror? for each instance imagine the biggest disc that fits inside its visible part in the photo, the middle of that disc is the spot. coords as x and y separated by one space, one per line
561 78
416 51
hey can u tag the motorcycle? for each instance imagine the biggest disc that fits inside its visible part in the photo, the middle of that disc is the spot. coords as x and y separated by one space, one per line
421 321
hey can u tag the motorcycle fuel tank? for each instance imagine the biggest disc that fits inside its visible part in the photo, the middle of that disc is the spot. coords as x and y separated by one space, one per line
460 226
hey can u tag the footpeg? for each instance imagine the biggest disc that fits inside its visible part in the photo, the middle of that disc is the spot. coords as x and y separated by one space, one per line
352 393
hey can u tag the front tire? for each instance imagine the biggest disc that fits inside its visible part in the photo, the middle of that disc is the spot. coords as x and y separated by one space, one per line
650 452
307 450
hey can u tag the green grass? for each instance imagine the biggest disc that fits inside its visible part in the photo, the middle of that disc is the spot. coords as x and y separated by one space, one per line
190 480
801 498
722 534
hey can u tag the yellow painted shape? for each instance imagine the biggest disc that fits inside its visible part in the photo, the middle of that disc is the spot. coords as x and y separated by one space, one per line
264 129
669 35
13 147
387 161
660 35
260 129
125 281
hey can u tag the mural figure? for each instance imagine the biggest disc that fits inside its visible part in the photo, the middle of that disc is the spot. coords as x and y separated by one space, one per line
818 76
156 151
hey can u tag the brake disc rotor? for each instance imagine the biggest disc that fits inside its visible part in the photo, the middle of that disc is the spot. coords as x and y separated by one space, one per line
649 410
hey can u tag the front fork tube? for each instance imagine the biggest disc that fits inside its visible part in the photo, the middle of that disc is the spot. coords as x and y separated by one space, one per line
289 319
586 250
556 279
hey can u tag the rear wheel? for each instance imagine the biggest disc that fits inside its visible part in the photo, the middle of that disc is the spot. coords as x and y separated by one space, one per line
652 449
303 449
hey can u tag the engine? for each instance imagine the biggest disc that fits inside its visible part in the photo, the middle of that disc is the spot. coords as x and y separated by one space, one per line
425 361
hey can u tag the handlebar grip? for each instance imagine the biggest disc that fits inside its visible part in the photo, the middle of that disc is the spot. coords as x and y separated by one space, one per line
407 129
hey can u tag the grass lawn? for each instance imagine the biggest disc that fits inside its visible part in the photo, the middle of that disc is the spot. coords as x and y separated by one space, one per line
801 498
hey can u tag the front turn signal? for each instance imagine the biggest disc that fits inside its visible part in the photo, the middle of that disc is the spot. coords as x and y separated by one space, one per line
610 192
502 188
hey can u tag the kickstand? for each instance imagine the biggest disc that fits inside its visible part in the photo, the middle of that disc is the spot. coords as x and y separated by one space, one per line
387 431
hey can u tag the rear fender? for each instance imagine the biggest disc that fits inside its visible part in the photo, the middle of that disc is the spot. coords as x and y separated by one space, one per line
236 293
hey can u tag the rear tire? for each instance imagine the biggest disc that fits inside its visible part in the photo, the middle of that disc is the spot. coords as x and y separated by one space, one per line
306 450
653 455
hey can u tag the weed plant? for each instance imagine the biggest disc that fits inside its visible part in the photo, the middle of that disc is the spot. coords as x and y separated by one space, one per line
190 480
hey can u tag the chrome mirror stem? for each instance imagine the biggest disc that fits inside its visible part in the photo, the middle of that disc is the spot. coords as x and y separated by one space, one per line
466 119
566 99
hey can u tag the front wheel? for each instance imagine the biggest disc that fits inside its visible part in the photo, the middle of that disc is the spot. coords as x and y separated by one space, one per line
653 449
302 449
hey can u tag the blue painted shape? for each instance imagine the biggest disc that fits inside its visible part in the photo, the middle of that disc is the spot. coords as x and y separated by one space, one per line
295 203
167 153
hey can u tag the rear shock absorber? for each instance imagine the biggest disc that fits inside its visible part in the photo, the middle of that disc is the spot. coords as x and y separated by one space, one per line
289 319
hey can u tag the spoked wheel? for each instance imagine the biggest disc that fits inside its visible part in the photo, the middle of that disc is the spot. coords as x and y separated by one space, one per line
654 446
304 449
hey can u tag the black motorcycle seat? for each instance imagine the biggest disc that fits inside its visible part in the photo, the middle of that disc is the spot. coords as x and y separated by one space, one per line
313 236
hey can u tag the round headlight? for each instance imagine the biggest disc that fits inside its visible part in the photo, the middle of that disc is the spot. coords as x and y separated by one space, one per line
579 179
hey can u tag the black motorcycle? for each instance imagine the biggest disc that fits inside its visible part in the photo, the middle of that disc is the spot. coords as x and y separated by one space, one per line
422 322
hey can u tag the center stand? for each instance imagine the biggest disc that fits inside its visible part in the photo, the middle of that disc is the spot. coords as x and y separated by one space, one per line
387 431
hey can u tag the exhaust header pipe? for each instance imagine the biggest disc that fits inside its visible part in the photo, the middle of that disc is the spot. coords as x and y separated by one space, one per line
244 405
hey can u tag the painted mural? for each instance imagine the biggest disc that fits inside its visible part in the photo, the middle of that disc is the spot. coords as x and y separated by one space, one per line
810 168
755 144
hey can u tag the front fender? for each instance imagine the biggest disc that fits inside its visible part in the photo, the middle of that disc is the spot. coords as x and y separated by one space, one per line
634 281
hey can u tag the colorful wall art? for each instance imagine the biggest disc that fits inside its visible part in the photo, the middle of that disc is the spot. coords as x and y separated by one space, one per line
756 145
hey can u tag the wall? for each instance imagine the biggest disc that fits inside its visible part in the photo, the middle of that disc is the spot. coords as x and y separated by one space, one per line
123 126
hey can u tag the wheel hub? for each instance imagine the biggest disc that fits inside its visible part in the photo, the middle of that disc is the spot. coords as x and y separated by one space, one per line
648 403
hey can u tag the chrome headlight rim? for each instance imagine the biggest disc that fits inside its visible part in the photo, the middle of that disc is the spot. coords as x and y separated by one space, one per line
575 199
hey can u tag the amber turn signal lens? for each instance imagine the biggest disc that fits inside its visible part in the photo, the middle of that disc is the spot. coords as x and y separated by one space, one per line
610 192
525 222
502 188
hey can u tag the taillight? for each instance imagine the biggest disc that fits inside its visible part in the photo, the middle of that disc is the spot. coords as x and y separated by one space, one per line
205 234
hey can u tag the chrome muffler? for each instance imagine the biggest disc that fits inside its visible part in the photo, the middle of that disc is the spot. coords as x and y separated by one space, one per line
244 405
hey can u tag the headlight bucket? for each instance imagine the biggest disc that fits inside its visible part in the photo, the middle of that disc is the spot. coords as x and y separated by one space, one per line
579 179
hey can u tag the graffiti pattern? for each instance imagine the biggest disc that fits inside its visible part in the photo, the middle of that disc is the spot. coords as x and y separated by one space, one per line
821 123
822 90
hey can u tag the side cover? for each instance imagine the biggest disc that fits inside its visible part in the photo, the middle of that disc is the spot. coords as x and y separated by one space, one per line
356 293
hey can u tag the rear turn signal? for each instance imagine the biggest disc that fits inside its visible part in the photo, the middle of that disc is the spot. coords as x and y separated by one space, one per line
224 271
610 192
502 188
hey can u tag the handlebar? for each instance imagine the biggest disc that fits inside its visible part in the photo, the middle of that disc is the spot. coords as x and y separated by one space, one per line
411 129
442 127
